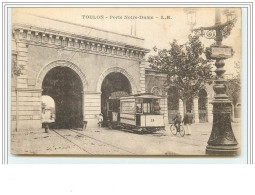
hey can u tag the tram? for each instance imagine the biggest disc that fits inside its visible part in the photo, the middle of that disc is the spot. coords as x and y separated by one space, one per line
140 112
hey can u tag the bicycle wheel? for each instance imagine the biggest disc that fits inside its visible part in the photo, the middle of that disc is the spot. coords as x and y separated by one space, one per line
173 129
182 131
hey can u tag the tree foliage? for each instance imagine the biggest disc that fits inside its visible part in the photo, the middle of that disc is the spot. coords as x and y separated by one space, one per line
185 66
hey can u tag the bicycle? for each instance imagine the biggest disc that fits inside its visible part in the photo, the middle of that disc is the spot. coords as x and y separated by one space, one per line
174 130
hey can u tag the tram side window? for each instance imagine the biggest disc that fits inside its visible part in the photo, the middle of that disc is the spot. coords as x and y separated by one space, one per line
146 107
128 107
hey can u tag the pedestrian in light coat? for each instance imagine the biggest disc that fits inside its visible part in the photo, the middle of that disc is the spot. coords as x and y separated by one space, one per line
100 119
187 121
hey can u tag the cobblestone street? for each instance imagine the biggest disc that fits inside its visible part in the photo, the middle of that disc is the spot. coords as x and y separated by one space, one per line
104 141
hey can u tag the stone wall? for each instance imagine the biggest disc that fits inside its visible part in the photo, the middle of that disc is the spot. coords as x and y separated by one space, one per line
26 109
91 65
38 52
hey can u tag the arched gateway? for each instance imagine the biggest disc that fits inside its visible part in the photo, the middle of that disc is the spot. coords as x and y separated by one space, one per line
116 70
61 63
113 80
65 83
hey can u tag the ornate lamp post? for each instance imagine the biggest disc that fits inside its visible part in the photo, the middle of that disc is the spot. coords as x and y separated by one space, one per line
222 140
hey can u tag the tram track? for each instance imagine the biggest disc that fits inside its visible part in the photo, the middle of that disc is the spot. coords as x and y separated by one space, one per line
88 143
71 142
102 141
172 153
81 143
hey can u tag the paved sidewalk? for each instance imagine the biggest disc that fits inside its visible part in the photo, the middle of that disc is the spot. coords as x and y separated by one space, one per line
103 141
198 138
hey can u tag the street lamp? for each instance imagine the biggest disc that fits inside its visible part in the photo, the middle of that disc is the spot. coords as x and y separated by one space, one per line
191 16
222 140
229 14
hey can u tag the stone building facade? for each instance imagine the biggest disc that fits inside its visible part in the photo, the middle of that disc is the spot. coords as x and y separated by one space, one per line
200 105
45 49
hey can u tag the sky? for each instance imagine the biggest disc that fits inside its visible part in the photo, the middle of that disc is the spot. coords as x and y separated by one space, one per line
48 101
156 32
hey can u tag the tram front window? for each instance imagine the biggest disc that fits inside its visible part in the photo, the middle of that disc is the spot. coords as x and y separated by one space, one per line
149 106
156 108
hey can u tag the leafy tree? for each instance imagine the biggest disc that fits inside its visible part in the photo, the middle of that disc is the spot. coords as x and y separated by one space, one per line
185 66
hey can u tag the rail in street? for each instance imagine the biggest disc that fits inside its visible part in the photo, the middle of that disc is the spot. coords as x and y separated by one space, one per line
89 144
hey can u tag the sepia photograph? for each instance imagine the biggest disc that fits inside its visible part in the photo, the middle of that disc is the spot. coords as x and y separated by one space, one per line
126 81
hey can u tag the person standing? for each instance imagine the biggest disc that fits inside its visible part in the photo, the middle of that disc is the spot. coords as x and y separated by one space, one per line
187 121
100 119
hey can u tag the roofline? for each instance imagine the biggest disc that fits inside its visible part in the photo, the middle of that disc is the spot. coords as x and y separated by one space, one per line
86 26
64 33
142 94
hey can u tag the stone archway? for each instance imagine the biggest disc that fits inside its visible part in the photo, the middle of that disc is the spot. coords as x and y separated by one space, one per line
60 63
65 83
118 85
116 70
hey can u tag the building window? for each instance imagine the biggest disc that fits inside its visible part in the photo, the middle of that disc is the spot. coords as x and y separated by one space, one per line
156 91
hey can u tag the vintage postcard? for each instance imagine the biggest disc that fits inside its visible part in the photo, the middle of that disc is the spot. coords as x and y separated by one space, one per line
126 81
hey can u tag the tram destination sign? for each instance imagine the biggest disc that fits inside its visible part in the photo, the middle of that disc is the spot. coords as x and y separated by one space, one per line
221 52
118 94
